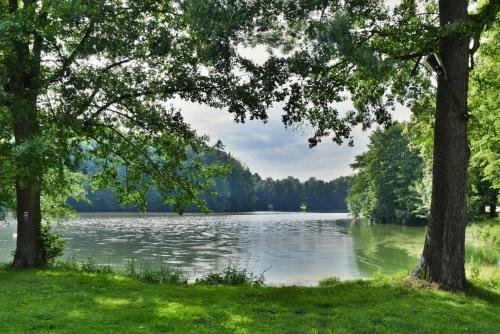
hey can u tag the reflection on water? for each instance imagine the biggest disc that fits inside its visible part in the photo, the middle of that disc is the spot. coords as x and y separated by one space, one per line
386 248
296 247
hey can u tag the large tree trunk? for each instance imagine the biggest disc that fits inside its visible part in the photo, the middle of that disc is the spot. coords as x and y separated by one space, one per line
23 86
28 249
28 186
442 260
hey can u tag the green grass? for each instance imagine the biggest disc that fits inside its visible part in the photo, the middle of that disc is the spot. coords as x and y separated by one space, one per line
59 301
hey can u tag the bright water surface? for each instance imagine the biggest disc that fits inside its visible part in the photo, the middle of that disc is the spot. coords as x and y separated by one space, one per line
295 248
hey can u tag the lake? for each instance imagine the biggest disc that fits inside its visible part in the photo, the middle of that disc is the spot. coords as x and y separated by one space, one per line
292 248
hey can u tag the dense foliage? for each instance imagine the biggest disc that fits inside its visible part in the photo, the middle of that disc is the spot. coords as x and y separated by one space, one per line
238 191
382 190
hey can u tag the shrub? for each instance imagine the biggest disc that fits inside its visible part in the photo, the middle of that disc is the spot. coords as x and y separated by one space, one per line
233 275
52 243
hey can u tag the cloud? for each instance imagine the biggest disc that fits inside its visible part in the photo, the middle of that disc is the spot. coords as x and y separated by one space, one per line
273 151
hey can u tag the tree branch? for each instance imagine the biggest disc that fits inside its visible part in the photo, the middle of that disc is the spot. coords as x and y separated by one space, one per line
99 80
118 100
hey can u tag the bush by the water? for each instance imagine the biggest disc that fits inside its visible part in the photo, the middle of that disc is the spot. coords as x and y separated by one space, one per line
52 243
161 273
233 275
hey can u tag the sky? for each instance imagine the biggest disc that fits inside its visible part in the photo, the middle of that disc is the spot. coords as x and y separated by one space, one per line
273 151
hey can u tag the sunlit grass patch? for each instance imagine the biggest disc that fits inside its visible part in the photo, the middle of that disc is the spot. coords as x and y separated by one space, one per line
109 301
235 321
179 310
76 314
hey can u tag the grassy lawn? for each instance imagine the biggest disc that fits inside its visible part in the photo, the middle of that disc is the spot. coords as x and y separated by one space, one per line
50 301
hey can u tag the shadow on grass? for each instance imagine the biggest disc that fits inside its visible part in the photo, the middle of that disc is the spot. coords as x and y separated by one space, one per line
487 294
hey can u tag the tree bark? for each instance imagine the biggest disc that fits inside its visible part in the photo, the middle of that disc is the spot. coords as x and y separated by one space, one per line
443 256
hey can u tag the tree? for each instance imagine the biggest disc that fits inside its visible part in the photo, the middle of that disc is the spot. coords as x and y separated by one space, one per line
89 80
444 249
316 194
264 192
382 190
320 195
372 54
288 194
236 191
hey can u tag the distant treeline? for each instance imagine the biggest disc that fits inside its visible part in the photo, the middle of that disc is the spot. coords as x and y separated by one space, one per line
393 184
241 191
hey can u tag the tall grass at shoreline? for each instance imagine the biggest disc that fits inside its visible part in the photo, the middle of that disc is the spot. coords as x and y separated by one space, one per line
160 272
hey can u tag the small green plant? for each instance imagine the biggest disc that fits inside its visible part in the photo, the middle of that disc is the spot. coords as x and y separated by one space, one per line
329 281
52 243
474 268
233 275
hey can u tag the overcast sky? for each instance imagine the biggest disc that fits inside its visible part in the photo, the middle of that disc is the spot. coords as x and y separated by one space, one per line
271 150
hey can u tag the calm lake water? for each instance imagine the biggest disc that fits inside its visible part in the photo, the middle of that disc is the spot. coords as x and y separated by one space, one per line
295 248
